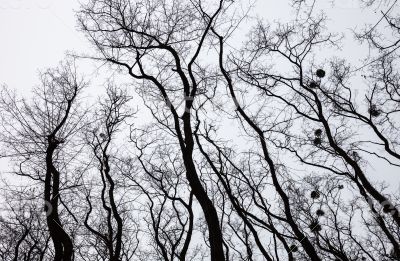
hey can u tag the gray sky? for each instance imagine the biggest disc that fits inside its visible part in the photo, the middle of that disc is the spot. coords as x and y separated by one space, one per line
36 34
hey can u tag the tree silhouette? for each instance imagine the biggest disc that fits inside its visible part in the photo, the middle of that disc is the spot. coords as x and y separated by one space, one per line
271 149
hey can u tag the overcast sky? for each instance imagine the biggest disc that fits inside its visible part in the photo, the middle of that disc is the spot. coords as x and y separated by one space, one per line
36 34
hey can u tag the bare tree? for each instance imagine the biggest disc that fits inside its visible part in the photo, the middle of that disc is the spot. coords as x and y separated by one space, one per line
36 133
254 151
109 230
327 105
160 43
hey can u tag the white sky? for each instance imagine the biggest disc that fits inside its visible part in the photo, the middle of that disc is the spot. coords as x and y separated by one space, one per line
35 34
